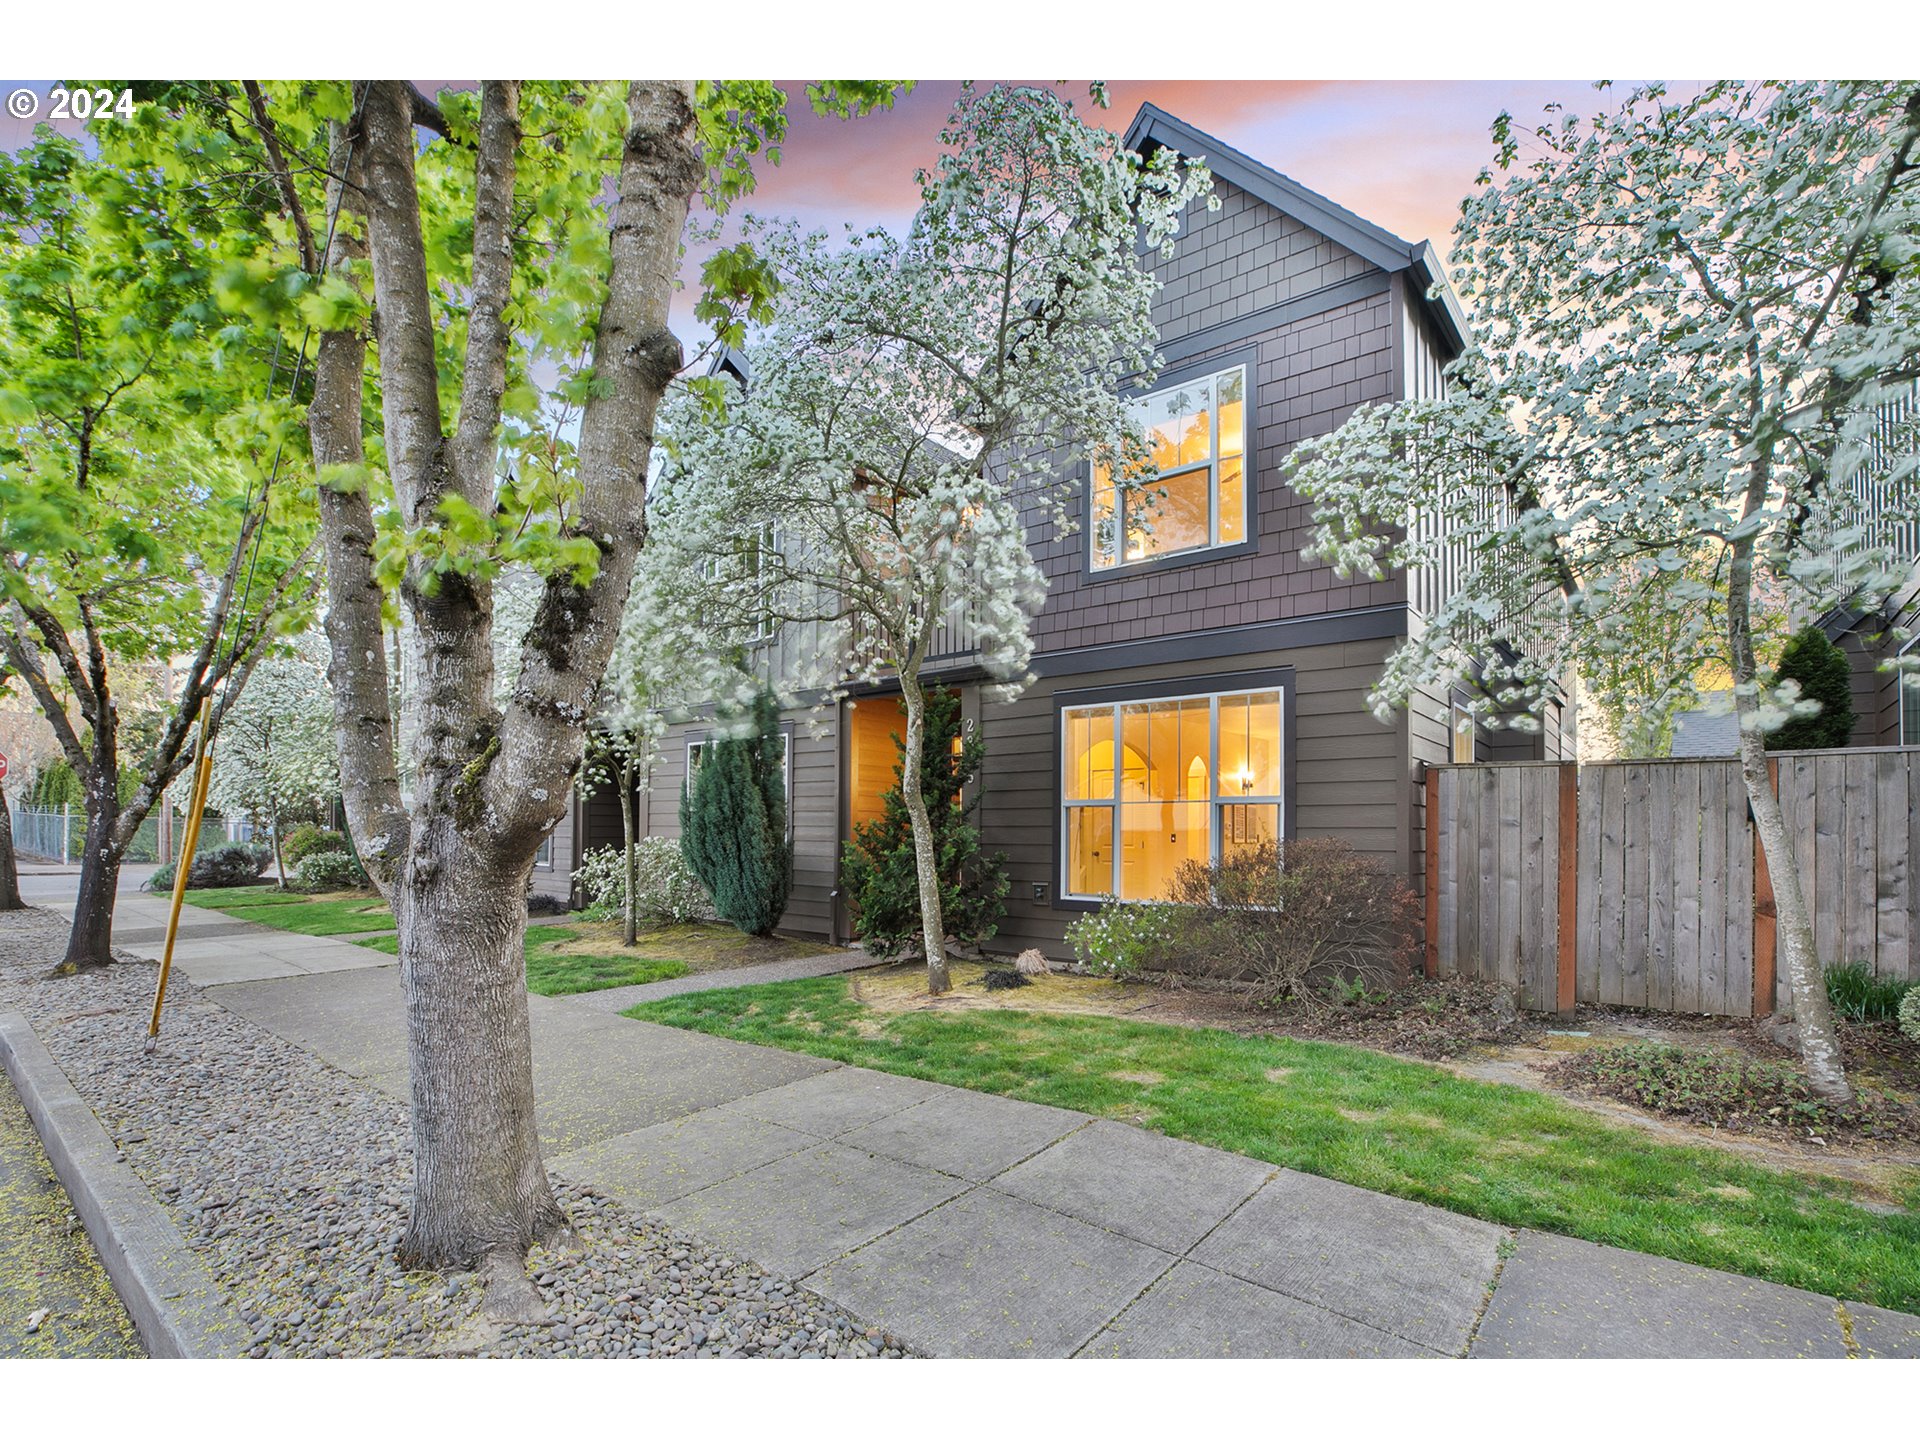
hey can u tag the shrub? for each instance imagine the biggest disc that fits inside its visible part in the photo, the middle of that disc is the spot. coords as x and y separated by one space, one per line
1910 1015
733 823
539 902
1122 938
878 867
219 868
665 886
329 870
1306 921
1821 669
305 840
1856 993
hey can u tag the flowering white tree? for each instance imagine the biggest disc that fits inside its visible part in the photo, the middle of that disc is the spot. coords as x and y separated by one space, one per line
914 398
1689 314
276 752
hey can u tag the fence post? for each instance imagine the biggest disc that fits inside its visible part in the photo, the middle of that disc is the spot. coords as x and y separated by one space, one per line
1765 914
1568 959
1432 878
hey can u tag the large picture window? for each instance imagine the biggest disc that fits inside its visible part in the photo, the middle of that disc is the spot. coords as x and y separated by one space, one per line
1196 436
1148 785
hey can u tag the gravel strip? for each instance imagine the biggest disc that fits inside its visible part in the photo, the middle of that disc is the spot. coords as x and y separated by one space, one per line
291 1179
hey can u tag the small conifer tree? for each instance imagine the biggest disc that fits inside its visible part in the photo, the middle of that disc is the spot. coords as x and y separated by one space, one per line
1820 667
733 823
878 863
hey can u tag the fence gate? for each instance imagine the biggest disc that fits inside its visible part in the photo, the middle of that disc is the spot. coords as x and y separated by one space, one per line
1500 847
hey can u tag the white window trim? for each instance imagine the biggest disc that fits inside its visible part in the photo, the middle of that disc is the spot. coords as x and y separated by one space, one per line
1211 465
1215 801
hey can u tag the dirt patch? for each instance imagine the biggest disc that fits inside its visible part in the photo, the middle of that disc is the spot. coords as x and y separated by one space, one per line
700 946
904 987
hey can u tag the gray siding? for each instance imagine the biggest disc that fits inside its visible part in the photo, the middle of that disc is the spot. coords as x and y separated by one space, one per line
1876 695
1310 374
1350 779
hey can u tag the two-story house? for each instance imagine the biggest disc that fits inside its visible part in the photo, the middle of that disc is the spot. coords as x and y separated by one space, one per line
1203 685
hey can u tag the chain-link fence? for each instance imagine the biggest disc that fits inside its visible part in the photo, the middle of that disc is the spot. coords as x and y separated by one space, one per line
54 833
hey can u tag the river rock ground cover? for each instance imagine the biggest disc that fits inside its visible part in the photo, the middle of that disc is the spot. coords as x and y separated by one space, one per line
290 1180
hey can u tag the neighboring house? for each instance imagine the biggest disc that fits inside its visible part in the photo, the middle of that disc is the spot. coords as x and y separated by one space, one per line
1888 711
1206 688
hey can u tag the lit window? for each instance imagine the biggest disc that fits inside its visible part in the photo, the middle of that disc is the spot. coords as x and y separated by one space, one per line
1150 785
1462 735
543 857
1196 436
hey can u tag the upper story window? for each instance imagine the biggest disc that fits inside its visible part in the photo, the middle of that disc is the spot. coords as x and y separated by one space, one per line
1196 434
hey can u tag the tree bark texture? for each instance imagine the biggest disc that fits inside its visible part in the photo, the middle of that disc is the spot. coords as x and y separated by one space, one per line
9 868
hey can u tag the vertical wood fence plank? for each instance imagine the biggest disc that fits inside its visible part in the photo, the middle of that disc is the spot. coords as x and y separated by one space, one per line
1861 826
1487 955
1710 989
1430 876
1661 781
1913 877
1568 897
1685 996
1892 872
1766 930
1737 996
1613 913
1587 784
1449 872
1829 846
1520 877
1633 955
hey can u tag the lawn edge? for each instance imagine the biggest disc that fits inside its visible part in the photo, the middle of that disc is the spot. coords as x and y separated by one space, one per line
177 1309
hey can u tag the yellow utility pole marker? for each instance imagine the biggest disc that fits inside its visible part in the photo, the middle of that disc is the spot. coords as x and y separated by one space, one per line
183 862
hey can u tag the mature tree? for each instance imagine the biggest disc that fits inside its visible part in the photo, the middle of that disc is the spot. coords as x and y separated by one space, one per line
138 441
1688 315
1819 670
540 224
733 819
276 753
917 396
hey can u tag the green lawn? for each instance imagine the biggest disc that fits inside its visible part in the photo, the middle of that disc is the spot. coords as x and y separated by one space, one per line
302 914
1512 1156
566 960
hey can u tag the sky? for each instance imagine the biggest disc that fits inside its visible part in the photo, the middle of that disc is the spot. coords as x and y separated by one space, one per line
1399 153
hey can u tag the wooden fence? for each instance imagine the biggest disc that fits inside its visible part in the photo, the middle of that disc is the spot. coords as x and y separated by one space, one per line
1641 883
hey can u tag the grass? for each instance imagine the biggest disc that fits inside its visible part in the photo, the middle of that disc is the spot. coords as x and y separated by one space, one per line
572 959
1499 1152
302 914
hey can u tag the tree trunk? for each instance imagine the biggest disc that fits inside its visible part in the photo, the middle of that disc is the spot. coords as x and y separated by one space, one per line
1800 958
273 836
480 1187
933 928
90 942
9 872
629 927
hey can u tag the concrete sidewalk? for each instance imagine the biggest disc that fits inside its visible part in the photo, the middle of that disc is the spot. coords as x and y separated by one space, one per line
975 1225
970 1224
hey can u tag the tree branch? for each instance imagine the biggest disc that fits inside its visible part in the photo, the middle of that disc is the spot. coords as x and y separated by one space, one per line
475 442
282 177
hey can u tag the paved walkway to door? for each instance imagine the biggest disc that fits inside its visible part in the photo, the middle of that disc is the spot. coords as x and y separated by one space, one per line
971 1224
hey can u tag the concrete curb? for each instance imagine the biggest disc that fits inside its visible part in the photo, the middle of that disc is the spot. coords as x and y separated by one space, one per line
177 1309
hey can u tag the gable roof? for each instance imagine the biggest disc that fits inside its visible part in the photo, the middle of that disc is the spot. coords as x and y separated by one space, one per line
1153 127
